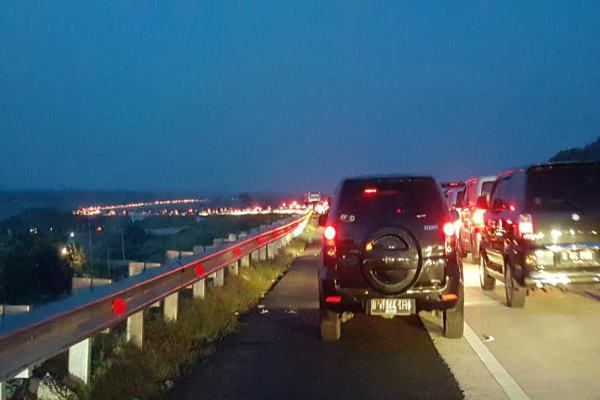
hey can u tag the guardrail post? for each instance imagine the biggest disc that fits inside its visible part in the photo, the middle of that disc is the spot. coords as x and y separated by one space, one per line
245 261
270 250
135 329
199 289
254 257
234 268
135 322
80 360
171 307
219 278
262 253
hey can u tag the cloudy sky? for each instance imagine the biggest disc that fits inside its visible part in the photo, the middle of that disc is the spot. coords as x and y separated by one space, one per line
283 95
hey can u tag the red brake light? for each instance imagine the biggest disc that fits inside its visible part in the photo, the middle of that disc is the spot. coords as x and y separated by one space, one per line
333 299
329 233
370 190
448 229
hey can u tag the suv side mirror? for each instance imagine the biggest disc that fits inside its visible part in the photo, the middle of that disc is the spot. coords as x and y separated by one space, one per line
454 215
323 220
482 203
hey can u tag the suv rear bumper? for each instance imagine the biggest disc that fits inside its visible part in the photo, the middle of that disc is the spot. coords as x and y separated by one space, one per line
356 300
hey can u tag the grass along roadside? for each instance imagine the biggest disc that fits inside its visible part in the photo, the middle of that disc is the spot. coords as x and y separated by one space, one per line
170 348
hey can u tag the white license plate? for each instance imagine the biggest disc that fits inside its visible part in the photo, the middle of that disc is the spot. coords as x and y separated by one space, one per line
577 255
392 306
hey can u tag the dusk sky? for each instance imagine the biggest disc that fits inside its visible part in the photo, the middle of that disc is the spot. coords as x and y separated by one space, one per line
282 95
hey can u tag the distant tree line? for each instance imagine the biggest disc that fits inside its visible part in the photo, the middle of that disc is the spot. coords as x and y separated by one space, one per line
590 152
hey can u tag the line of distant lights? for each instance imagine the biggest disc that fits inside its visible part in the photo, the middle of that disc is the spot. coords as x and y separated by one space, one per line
293 207
98 210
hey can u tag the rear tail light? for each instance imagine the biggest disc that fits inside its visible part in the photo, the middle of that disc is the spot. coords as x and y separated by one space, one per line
478 217
329 249
525 226
449 229
370 191
329 233
333 299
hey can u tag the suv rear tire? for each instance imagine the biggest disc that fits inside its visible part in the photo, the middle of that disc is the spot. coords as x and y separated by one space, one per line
515 295
486 281
454 319
331 326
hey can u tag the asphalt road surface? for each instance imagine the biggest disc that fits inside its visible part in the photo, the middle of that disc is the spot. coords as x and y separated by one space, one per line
550 349
279 355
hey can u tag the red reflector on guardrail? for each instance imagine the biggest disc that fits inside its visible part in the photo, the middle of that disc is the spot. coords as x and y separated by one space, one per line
237 252
199 269
119 306
333 299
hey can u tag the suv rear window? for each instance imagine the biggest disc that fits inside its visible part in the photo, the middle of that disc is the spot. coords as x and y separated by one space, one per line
486 188
571 188
391 196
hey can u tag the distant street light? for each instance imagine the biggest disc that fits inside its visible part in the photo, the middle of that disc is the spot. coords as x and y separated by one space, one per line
64 251
72 235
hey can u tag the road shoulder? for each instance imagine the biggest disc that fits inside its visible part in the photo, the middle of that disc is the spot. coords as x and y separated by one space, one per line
471 374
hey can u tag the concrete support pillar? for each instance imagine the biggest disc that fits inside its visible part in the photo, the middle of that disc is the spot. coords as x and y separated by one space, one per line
245 261
262 253
3 390
199 289
219 278
135 329
171 307
80 360
234 268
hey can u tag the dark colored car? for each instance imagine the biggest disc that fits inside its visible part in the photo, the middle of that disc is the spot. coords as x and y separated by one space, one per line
542 229
389 250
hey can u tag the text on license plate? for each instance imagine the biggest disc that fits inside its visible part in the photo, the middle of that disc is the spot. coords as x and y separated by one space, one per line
392 306
577 255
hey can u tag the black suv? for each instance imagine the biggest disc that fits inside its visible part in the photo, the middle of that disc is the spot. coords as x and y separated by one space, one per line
542 229
388 250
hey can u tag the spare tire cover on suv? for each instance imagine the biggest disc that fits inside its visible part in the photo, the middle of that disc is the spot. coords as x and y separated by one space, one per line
391 259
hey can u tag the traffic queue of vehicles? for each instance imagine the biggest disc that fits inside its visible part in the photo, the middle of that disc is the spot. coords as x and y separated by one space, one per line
393 245
533 228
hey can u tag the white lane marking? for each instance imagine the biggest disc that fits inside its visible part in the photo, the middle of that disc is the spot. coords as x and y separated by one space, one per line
506 382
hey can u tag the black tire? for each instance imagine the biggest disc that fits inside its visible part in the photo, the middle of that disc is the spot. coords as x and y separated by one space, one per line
515 294
486 281
454 319
331 326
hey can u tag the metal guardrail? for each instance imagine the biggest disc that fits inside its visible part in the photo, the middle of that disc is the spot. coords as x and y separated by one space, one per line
30 338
